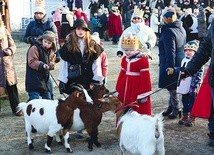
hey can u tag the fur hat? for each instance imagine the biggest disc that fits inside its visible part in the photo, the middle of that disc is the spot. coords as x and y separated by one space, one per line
169 16
80 23
95 37
40 9
137 13
192 45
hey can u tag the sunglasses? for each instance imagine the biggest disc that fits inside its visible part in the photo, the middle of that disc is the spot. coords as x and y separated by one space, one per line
137 18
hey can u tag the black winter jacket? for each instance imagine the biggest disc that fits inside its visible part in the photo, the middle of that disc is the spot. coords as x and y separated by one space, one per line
203 55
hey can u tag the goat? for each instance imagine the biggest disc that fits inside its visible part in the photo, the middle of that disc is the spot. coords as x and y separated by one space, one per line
141 134
89 116
50 116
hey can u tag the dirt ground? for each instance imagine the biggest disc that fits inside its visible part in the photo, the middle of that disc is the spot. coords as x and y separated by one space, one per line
178 140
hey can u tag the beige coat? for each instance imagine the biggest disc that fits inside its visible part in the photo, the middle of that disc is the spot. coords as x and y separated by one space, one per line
7 43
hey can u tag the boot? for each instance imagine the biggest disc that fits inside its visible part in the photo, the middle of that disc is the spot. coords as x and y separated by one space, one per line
190 122
211 139
174 114
184 119
168 111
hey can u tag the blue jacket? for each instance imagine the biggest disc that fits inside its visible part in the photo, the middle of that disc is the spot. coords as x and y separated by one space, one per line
171 53
37 27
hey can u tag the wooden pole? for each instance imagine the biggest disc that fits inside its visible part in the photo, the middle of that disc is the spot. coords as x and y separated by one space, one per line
7 15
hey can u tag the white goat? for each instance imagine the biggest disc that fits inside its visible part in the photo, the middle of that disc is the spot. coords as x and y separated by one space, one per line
141 134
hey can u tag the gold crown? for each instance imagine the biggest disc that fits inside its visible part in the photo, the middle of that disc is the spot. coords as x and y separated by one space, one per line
138 12
130 43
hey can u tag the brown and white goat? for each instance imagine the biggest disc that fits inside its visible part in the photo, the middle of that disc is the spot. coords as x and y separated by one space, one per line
89 116
50 116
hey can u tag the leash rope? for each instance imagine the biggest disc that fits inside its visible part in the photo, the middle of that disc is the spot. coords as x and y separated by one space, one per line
56 84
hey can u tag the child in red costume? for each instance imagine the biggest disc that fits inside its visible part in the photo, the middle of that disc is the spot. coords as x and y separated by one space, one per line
134 83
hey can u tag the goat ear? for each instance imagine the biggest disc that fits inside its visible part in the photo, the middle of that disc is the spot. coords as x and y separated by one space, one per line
92 86
77 94
101 99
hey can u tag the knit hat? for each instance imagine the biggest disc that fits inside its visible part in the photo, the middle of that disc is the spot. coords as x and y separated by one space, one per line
95 37
80 23
200 8
137 13
169 16
192 45
50 36
40 9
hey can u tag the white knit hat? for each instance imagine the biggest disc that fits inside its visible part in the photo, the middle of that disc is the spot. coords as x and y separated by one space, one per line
40 9
95 37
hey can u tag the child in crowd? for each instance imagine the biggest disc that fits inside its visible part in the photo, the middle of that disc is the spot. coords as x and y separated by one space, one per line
134 84
95 22
102 61
188 87
40 60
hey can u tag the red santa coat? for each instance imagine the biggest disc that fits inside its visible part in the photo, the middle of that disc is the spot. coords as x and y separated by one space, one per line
202 105
115 25
134 82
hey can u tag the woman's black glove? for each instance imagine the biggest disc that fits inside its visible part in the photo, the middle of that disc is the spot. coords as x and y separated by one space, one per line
61 87
184 73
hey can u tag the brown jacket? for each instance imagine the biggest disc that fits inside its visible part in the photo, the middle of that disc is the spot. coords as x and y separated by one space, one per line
7 64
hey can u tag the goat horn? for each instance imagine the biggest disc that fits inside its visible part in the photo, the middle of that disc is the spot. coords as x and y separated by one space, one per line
78 88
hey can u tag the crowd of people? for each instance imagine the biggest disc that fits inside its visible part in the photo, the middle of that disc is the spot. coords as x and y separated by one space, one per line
182 31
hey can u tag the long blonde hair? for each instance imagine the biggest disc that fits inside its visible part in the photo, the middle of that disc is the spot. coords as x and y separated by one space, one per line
73 45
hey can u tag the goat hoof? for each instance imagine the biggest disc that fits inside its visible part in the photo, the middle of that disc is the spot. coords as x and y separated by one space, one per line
69 150
90 148
31 147
97 144
48 151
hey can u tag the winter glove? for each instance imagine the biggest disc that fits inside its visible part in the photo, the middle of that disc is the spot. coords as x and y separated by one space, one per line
45 66
51 66
7 52
57 59
170 71
57 56
61 87
119 54
31 40
142 100
184 73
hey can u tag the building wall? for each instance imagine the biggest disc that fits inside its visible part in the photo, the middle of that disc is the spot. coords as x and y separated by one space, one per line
22 10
